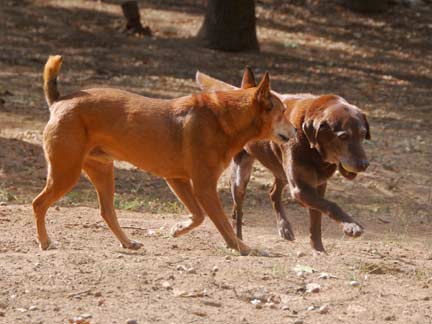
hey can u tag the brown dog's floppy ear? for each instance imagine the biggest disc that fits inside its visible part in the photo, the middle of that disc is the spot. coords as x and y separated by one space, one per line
310 133
248 80
368 135
263 94
311 130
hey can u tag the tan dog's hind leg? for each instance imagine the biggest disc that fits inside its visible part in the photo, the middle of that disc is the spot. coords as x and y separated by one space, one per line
184 193
102 176
60 180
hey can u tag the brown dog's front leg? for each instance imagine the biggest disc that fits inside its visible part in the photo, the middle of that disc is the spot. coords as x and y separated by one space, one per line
315 224
241 172
310 198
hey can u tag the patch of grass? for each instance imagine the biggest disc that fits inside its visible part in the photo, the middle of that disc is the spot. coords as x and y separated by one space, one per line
280 270
6 195
150 205
422 275
378 268
80 197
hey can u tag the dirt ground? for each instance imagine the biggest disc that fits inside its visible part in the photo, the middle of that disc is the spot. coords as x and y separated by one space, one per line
382 63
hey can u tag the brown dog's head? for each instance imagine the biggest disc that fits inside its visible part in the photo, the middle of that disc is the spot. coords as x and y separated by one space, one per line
337 129
274 124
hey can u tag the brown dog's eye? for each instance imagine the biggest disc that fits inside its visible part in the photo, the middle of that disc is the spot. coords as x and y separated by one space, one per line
342 135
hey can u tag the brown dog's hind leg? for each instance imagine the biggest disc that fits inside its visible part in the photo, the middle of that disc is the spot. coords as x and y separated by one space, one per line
240 175
183 190
315 224
60 180
283 224
102 177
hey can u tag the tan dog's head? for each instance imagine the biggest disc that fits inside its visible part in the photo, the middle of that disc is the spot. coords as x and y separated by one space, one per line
275 125
337 129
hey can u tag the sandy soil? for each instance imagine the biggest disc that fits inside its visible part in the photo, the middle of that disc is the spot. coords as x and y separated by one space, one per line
382 63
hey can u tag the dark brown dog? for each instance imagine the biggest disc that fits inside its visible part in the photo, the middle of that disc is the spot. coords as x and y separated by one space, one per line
330 132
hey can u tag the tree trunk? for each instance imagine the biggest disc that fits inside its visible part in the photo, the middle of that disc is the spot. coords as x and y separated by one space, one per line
366 6
133 19
229 25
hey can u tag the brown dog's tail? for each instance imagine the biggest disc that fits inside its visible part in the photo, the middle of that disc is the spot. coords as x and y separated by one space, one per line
51 71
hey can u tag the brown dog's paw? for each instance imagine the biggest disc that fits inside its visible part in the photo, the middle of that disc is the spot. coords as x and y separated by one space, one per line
132 245
285 230
352 229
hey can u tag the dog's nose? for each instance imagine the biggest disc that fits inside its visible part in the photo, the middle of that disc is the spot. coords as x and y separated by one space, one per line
363 164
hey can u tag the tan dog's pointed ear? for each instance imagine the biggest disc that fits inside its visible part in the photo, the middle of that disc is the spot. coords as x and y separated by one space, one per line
263 94
248 80
207 83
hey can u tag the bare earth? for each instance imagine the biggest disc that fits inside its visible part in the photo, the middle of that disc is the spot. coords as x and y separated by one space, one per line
382 63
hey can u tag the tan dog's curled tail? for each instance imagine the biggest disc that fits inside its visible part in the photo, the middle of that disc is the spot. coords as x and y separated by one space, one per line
51 71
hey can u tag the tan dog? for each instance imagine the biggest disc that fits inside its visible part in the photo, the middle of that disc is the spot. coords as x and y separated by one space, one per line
189 141
330 132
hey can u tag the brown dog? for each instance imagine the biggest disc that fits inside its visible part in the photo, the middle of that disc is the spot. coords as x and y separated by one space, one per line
330 132
188 141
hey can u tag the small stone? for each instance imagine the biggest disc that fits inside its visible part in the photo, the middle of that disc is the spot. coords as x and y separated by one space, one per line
2 314
313 288
325 275
354 283
298 322
97 294
131 321
300 254
215 269
33 308
255 301
228 258
166 285
324 309
22 310
191 270
86 316
390 318
285 307
3 203
100 302
310 308
57 208
181 267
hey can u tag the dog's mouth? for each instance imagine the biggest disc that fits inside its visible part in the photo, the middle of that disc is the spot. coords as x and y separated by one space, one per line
350 175
282 137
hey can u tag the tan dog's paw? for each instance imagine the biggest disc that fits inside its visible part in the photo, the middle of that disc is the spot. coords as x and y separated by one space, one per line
352 229
46 245
180 228
285 230
132 245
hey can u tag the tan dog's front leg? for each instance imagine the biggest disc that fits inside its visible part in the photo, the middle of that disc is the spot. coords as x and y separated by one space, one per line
183 191
102 177
205 191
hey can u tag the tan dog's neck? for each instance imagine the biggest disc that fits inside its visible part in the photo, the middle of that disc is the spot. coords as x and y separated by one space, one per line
233 111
